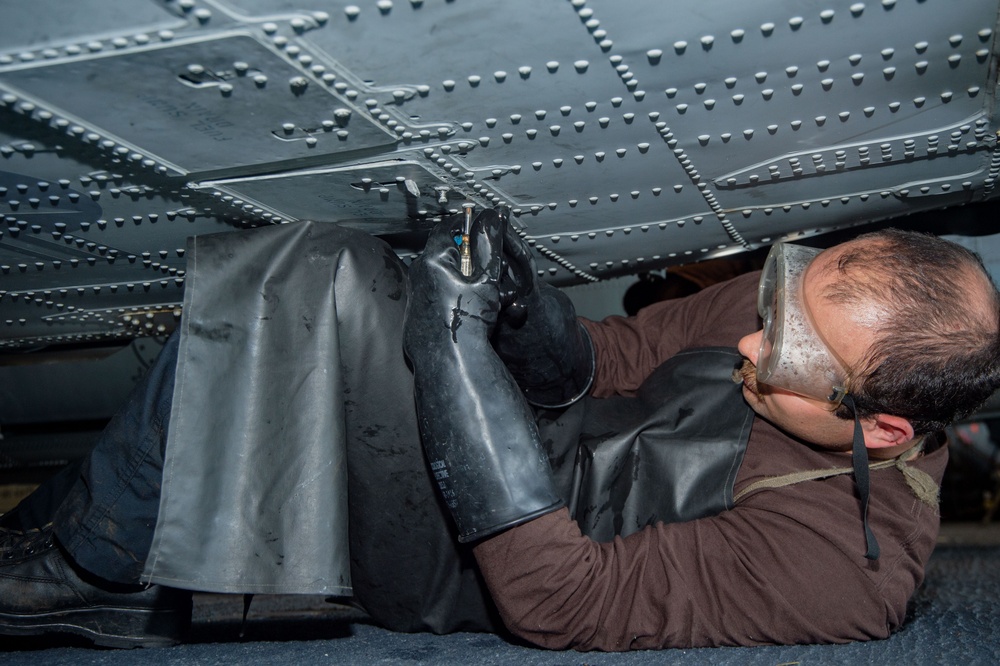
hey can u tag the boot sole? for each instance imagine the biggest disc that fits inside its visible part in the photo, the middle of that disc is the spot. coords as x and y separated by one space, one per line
105 626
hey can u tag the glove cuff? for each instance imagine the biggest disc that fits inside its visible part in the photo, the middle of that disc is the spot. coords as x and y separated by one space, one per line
569 388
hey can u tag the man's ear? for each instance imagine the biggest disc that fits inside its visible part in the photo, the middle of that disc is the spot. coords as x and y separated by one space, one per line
884 430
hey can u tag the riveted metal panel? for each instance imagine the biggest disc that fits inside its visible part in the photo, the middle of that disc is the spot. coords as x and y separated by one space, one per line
626 135
379 197
50 29
223 103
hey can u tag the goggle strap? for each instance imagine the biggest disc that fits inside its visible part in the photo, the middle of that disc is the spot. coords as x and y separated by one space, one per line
859 455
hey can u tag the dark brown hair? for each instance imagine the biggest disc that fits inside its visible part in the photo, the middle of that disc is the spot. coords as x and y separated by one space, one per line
936 355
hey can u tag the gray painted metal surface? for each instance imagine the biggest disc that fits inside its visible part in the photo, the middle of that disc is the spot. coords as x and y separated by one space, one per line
626 135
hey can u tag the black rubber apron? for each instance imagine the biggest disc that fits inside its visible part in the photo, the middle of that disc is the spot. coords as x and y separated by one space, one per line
669 454
294 464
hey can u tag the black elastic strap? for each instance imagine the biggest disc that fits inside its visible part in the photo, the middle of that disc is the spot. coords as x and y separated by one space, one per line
859 455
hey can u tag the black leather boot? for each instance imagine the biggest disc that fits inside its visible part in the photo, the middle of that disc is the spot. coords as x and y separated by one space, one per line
42 592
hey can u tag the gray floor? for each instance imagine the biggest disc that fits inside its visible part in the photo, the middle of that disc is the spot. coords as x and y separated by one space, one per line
956 620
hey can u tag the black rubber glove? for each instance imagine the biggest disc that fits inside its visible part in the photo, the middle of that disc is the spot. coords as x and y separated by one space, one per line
538 337
477 430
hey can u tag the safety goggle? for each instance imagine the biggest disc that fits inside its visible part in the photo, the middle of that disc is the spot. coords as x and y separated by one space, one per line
793 355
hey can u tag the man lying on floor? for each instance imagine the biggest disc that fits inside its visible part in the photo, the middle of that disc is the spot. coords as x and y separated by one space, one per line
685 477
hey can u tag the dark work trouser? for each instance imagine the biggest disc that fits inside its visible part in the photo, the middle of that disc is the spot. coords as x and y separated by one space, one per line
104 506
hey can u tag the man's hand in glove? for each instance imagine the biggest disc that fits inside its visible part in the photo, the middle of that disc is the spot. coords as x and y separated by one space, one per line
547 351
444 304
476 428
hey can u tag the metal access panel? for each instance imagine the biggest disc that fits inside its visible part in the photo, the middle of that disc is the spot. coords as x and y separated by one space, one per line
225 102
377 197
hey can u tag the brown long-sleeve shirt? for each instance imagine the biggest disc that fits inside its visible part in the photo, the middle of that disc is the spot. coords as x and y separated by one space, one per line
783 566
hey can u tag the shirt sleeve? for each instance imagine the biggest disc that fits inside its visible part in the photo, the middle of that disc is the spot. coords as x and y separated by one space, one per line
628 349
746 577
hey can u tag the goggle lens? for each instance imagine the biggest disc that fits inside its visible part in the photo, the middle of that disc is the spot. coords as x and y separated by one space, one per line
792 354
